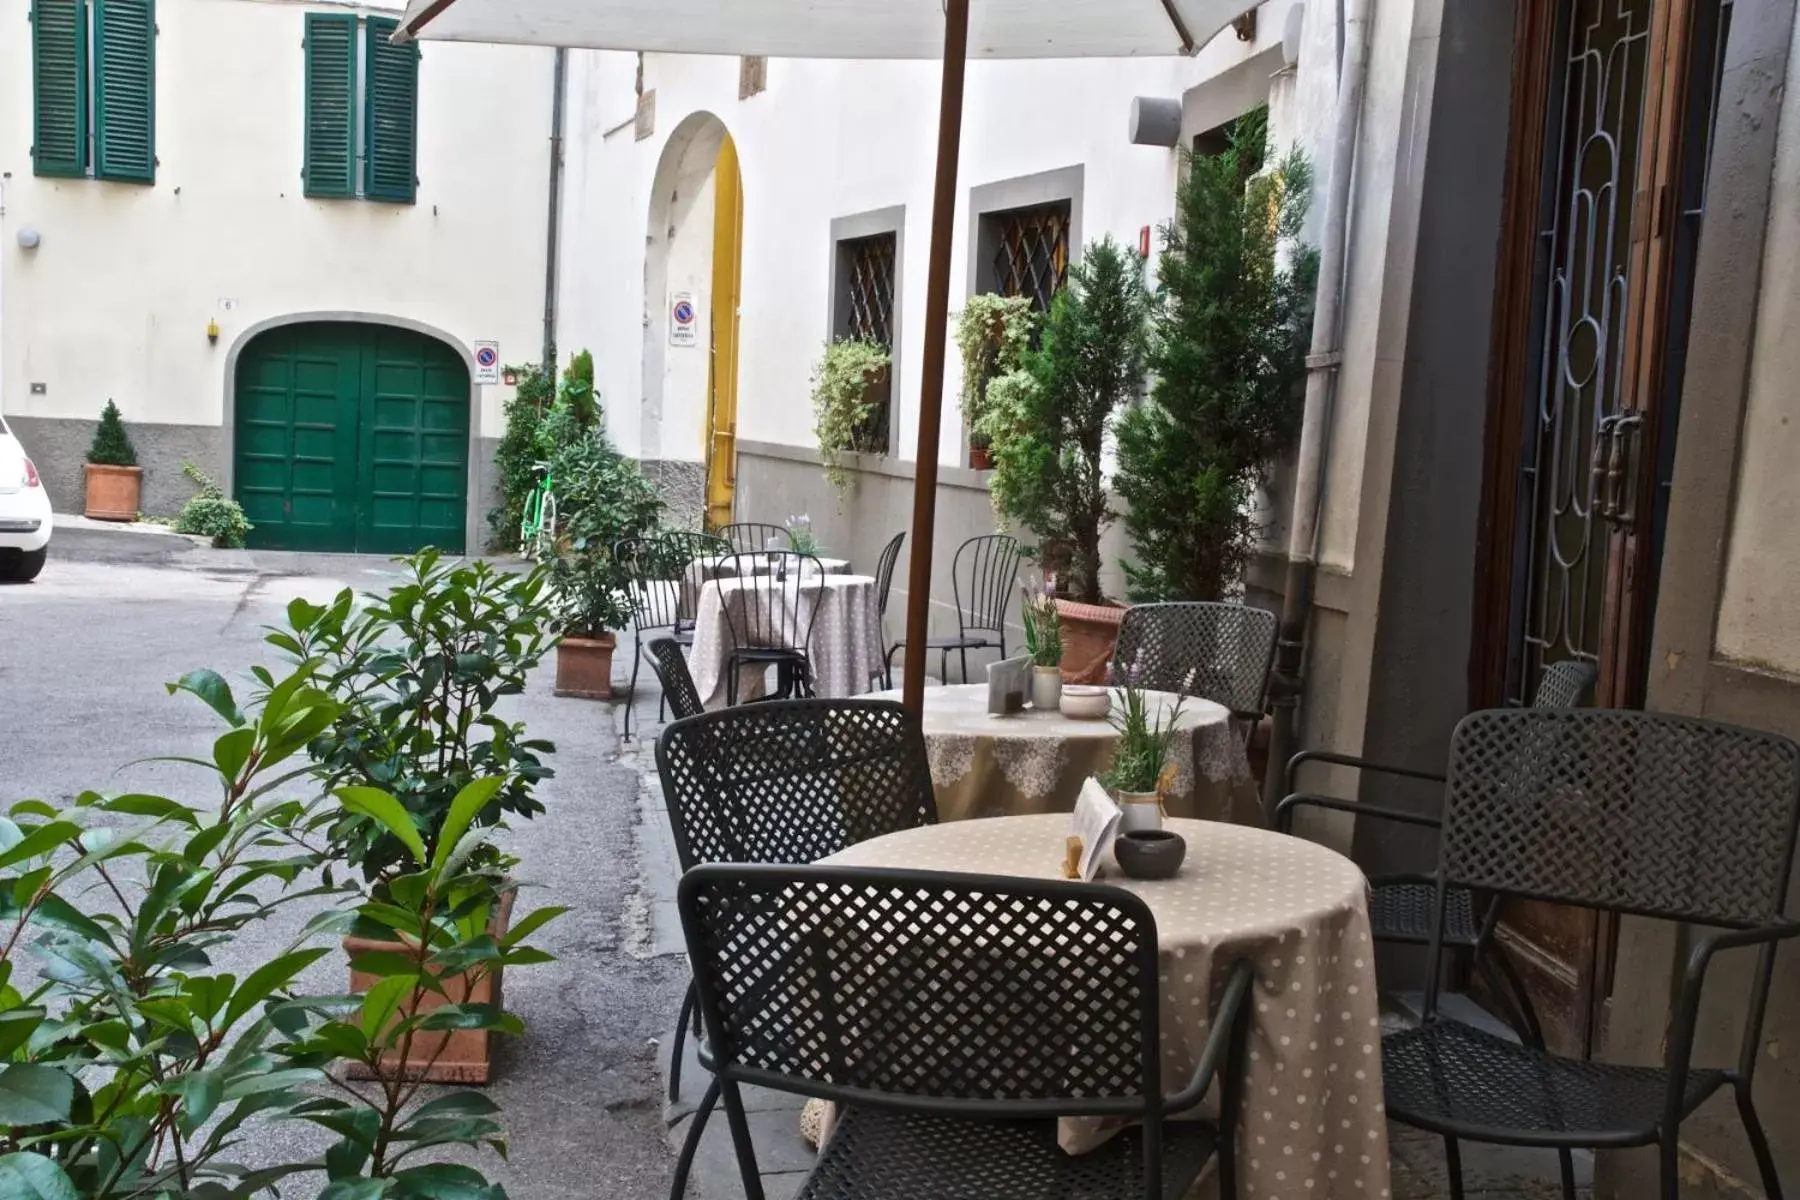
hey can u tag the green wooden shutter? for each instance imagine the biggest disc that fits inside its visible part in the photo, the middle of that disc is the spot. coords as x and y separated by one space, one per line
125 90
330 158
59 87
391 116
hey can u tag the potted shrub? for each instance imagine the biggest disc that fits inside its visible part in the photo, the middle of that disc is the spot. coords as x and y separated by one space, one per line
1228 354
846 386
1049 423
602 498
211 513
114 480
992 334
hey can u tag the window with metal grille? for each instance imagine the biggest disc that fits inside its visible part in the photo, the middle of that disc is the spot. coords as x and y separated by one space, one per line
362 110
93 68
865 310
1029 253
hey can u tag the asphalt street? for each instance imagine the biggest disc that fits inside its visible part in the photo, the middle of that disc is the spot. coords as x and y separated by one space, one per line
84 654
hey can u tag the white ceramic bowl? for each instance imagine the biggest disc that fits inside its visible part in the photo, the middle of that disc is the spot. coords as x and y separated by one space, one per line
1084 702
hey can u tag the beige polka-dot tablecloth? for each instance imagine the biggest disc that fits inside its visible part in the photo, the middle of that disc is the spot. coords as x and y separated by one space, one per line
1035 762
703 569
845 649
1313 1122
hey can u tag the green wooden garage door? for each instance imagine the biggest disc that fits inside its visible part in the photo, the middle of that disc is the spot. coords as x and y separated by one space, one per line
352 438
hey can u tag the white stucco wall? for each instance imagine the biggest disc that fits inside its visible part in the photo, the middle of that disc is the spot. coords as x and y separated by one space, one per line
826 140
115 301
1759 611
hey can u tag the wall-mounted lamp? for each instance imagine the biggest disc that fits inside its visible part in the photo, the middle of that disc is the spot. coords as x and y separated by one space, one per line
30 238
1155 121
212 330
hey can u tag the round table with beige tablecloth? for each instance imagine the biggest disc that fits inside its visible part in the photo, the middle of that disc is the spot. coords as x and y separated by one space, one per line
703 569
984 765
845 650
1313 1125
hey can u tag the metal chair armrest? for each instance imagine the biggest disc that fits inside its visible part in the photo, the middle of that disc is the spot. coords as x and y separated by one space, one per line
1687 1010
1284 812
1234 1008
1361 764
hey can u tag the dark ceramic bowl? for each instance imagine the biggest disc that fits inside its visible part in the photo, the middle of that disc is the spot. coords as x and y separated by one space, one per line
1149 853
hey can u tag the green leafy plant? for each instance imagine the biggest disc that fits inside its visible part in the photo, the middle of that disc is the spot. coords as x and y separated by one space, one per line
1043 627
111 446
1141 753
211 513
603 498
418 674
992 334
1227 353
518 453
843 404
1049 421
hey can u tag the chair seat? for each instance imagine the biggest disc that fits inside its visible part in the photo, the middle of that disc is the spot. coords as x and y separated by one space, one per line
967 641
767 654
879 1155
1402 912
1451 1078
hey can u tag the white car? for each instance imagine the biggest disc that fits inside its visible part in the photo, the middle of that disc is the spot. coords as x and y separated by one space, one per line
24 513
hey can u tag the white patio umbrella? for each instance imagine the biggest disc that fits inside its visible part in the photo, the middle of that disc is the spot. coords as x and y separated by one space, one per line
954 29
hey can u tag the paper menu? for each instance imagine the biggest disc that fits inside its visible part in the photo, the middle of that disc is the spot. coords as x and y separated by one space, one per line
1096 821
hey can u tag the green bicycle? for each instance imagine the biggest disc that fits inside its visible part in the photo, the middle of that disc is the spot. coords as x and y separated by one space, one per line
537 532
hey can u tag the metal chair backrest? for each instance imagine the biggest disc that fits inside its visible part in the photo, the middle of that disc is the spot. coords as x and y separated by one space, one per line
1566 684
771 599
748 537
1631 812
983 577
671 668
686 547
792 781
1218 652
884 570
996 997
654 581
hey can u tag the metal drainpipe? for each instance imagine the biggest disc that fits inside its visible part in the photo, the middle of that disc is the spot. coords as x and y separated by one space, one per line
1321 385
553 227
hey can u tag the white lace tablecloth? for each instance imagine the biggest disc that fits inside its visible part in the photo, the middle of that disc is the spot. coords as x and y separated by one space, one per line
703 569
846 649
1031 762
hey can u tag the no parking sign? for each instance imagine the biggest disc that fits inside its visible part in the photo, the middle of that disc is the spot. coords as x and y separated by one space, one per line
487 362
684 320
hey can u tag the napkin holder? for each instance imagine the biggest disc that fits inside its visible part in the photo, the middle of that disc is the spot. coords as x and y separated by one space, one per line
1008 680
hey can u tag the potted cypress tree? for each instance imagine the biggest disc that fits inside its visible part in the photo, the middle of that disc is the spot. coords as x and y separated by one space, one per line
114 480
1228 349
1049 424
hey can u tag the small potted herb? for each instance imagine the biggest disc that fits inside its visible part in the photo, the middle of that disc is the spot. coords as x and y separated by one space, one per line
1043 643
1142 761
114 480
800 535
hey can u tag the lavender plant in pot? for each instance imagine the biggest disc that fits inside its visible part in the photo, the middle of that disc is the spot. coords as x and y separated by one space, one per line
1043 643
1143 760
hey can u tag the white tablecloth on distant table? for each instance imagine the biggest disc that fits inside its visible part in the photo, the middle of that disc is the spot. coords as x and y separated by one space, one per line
702 569
846 649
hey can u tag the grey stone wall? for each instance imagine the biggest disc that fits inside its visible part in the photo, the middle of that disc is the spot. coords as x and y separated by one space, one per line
59 445
682 485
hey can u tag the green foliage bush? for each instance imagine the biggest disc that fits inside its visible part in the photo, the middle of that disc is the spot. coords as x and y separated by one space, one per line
111 446
518 453
992 334
1232 322
841 405
211 513
602 499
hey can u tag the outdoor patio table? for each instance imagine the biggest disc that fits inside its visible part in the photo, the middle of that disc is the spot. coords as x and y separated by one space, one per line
1313 1126
846 650
703 569
991 766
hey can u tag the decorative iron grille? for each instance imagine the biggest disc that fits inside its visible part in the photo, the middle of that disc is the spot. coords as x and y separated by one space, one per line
1031 252
869 284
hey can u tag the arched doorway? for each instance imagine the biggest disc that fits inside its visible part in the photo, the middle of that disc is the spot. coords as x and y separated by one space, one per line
351 437
693 257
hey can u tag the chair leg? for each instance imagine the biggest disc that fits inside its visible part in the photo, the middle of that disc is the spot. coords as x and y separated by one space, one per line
1669 1156
964 654
740 1139
1759 1144
1521 997
637 660
691 1143
688 1006
1565 1159
1453 1168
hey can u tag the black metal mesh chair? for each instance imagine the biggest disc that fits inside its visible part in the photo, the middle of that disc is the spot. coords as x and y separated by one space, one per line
670 665
769 616
982 578
954 1018
1632 813
654 592
686 548
884 583
1218 652
1401 905
753 537
789 782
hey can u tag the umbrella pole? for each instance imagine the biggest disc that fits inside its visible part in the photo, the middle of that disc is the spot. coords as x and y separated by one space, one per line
937 322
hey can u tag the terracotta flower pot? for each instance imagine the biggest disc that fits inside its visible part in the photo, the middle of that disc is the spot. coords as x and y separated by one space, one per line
459 1056
113 492
981 458
584 667
1089 632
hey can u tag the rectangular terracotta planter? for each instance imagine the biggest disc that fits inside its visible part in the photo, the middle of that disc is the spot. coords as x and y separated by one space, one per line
462 1056
113 492
584 667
